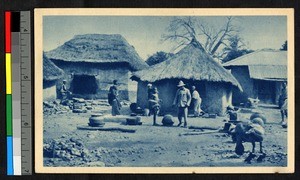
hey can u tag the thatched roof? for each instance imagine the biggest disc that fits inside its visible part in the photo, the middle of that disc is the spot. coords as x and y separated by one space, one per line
261 57
192 62
50 71
263 64
98 48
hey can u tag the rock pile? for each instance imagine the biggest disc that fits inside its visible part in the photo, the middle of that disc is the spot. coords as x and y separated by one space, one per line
67 150
54 107
76 105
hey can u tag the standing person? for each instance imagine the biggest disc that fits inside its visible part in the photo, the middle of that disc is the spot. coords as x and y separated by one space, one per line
150 92
283 102
113 99
196 99
154 105
64 91
182 101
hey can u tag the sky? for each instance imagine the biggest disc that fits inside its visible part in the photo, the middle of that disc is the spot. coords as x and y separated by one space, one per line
144 32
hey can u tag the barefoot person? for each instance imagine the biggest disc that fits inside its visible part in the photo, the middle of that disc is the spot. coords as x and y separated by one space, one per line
150 92
182 101
283 103
154 105
113 99
196 99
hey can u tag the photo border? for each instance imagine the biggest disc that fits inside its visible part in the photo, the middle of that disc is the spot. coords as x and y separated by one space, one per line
38 116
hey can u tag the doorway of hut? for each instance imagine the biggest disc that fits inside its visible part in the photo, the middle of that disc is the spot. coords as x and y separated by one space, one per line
84 84
266 91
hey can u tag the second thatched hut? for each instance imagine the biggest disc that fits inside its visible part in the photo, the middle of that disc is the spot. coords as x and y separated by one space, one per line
92 61
195 67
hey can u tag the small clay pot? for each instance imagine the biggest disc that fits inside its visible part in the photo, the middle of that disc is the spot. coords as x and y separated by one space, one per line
96 120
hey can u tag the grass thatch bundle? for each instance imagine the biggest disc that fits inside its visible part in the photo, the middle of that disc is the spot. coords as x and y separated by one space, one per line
50 70
192 62
98 48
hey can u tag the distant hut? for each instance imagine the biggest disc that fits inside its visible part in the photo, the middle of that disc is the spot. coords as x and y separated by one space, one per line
261 75
92 61
195 67
51 74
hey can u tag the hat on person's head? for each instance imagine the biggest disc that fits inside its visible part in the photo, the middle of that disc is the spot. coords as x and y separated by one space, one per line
180 84
149 85
64 80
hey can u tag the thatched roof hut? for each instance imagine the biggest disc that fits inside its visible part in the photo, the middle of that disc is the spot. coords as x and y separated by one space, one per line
92 61
195 67
50 71
51 74
98 48
260 73
191 63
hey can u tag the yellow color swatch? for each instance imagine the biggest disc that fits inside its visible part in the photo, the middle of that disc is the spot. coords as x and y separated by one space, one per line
8 72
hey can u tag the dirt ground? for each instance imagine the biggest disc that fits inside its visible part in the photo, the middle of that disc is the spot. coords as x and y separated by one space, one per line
157 146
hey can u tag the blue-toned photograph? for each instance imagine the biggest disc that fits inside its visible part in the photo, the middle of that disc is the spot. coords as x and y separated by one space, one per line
165 91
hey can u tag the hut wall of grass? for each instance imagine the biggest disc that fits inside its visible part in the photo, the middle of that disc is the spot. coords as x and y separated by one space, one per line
97 76
49 90
241 73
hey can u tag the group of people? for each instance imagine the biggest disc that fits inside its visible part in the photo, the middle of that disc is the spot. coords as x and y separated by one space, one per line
182 101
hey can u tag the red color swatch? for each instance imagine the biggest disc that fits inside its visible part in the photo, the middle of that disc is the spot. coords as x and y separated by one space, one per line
7 31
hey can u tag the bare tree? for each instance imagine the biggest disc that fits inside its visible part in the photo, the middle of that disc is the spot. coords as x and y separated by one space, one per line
183 30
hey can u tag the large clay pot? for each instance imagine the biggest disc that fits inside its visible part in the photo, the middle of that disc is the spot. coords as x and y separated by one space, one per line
167 120
259 115
96 120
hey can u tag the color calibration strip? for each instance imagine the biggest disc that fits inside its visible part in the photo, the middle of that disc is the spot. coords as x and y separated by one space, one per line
9 132
18 92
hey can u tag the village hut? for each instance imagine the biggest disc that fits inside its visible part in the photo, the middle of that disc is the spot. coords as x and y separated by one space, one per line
261 75
195 67
51 74
92 61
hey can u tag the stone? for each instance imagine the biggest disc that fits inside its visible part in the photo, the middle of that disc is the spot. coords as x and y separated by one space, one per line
89 107
56 102
47 104
79 100
75 152
79 111
85 153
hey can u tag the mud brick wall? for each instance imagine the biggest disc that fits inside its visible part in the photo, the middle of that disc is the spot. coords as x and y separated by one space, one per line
104 74
215 96
218 98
